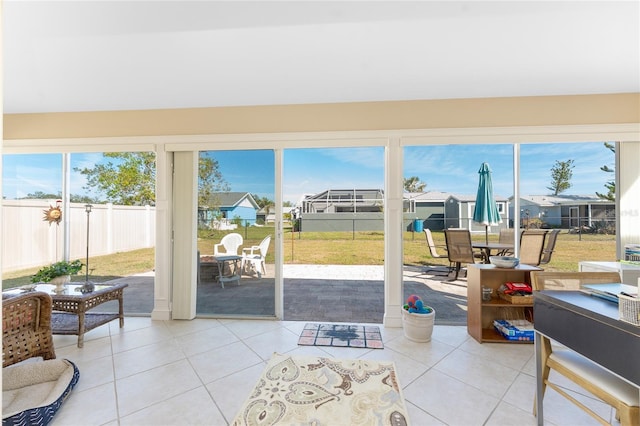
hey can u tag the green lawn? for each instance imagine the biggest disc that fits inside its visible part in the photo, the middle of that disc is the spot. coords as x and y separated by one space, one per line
338 248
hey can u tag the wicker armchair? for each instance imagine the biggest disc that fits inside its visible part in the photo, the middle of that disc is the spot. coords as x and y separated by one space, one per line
26 328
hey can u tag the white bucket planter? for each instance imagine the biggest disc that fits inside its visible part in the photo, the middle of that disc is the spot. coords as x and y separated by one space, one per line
418 327
60 281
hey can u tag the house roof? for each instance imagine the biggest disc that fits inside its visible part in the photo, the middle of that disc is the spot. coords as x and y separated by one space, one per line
346 194
132 55
232 199
558 200
472 198
427 196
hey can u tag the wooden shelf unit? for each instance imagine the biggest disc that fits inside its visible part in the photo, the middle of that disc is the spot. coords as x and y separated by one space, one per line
480 314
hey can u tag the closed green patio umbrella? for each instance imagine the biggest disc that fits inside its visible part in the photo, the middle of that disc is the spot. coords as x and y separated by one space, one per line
486 211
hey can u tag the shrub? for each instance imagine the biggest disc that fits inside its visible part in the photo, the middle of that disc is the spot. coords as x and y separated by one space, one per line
57 269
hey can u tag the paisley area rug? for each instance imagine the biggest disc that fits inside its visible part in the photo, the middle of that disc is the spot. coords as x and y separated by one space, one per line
351 336
310 390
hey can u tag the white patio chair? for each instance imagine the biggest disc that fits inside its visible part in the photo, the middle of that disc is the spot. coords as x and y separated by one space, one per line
255 255
230 243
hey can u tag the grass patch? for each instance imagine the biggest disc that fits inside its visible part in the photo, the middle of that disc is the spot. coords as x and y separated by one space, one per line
332 248
101 268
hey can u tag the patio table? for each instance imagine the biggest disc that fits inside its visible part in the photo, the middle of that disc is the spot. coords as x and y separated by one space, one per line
231 264
70 306
487 247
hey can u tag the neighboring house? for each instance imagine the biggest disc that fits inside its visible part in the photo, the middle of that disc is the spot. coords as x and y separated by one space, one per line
231 206
428 207
343 210
363 210
344 201
267 214
458 213
566 211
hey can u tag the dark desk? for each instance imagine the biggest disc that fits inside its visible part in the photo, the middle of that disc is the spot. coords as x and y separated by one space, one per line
589 326
487 247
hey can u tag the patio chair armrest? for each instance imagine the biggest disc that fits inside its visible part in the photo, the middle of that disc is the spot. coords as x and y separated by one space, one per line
249 250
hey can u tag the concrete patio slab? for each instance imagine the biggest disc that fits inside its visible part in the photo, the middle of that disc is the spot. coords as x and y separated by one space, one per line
322 293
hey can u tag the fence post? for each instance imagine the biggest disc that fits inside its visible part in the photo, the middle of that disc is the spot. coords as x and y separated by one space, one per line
109 221
149 231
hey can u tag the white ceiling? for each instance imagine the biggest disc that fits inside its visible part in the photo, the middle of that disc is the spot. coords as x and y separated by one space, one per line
115 55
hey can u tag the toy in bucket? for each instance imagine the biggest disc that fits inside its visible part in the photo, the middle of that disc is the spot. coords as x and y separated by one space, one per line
415 305
417 319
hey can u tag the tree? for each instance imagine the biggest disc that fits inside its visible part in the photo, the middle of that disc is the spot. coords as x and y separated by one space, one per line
210 181
131 178
85 199
561 174
263 201
611 184
39 195
129 181
413 184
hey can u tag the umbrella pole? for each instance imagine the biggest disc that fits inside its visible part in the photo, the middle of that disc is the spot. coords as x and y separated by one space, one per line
486 234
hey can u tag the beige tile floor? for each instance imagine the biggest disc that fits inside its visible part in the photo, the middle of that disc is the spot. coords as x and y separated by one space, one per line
199 372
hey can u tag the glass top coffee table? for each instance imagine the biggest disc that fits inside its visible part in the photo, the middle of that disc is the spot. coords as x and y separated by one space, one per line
70 306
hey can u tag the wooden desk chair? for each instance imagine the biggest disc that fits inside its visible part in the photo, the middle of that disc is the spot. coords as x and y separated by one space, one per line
580 370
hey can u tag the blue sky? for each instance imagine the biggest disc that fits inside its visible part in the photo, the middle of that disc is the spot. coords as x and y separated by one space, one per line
447 168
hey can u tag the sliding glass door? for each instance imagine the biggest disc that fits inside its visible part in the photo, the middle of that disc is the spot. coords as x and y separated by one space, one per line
236 233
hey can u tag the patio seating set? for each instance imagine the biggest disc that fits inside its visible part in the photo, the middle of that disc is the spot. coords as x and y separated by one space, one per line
536 247
226 258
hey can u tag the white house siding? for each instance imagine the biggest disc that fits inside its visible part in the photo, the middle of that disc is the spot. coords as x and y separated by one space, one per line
28 241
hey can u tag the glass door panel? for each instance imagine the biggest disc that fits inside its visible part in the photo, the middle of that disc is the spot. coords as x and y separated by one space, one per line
441 185
334 248
236 233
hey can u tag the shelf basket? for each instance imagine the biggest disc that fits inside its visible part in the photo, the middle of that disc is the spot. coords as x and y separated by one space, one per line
629 308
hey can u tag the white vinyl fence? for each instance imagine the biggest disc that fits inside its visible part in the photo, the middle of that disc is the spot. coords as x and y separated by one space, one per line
29 241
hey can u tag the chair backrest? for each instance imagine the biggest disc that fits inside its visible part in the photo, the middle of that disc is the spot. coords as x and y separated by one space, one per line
506 236
431 244
531 245
543 280
459 247
549 246
26 328
232 242
264 246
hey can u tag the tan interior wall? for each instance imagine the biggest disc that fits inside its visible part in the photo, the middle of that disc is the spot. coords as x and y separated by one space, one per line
422 114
